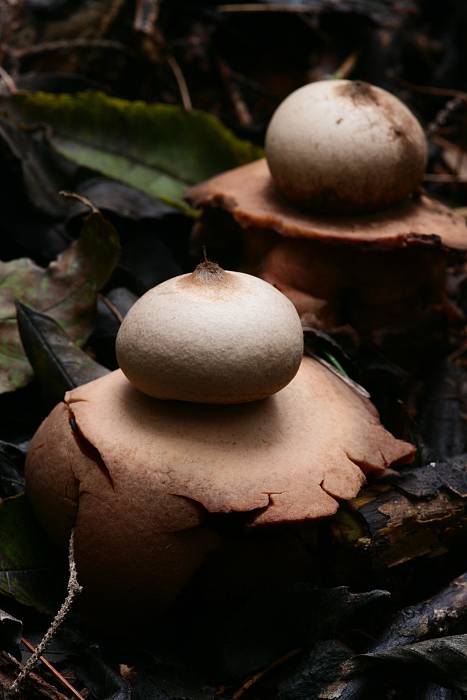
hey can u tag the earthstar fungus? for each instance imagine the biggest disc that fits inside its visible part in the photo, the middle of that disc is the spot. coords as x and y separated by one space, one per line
344 146
345 231
140 478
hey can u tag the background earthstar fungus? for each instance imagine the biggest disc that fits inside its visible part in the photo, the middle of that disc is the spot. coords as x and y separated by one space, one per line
344 146
380 269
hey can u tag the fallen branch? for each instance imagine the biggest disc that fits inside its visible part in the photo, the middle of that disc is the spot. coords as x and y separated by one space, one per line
416 515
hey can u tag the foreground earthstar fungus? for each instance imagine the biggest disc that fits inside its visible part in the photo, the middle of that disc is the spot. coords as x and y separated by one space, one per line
356 242
140 478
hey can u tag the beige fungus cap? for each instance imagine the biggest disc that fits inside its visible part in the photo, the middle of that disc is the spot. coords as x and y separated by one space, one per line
345 146
211 337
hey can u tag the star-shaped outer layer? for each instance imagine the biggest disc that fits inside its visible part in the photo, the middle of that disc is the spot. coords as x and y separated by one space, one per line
137 477
249 195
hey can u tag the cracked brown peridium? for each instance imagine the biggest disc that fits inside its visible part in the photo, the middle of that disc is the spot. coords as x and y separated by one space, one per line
140 479
380 272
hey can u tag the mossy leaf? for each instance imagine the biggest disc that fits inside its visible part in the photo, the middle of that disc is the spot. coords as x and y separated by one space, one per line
157 148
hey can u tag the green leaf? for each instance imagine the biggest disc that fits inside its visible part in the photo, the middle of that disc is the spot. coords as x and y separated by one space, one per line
31 570
157 148
65 290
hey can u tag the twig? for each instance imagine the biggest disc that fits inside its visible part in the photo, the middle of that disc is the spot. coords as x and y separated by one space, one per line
73 589
443 177
81 199
346 67
65 44
111 307
147 26
236 98
444 114
53 670
109 17
146 15
268 7
427 90
258 676
8 81
181 82
456 162
35 682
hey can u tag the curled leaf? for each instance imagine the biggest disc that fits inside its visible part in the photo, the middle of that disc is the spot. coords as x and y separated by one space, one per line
65 290
58 363
445 659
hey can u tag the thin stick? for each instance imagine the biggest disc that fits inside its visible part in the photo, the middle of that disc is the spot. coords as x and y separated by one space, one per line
35 682
443 177
67 44
443 115
236 98
73 589
267 7
146 15
427 90
258 676
8 81
181 82
81 199
346 67
53 670
110 16
111 307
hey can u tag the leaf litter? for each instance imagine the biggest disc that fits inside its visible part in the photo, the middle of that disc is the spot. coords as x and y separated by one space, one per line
66 290
71 294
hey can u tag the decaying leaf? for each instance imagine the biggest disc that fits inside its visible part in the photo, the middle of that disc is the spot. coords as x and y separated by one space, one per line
153 235
30 569
247 636
112 197
65 290
305 677
11 470
34 169
444 613
444 659
159 149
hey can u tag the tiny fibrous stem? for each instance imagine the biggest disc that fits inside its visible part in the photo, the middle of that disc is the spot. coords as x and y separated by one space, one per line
73 589
208 271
